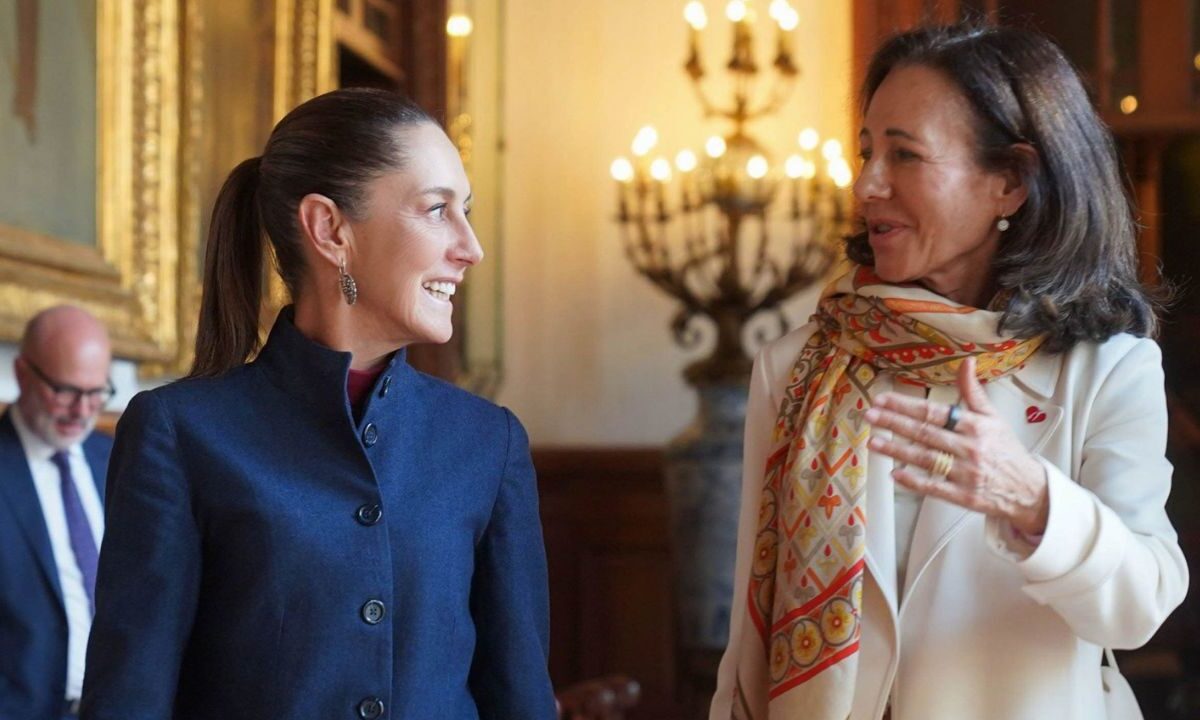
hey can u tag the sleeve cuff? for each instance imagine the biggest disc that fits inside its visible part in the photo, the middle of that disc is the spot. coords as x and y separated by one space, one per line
1008 542
1070 535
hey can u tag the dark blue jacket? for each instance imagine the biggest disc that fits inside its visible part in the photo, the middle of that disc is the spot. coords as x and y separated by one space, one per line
269 557
33 620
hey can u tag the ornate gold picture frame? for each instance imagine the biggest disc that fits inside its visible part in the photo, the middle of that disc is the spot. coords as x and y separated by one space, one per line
128 276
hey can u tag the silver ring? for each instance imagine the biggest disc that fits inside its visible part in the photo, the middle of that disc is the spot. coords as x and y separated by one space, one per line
953 417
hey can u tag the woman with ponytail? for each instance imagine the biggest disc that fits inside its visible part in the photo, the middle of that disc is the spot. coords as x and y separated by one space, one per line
313 529
954 488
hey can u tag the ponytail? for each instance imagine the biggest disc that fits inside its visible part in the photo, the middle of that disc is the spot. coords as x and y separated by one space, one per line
233 276
334 144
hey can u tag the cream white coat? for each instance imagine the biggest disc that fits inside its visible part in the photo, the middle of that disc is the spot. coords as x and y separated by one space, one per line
984 629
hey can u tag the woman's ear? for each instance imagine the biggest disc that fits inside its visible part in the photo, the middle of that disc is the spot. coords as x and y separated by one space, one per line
1016 189
325 228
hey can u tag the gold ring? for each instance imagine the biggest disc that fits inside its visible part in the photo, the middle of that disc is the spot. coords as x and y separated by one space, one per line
943 463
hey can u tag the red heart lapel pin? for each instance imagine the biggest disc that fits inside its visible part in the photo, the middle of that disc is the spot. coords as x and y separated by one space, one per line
1034 414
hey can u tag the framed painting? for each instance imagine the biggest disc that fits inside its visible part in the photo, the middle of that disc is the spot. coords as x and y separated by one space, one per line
89 141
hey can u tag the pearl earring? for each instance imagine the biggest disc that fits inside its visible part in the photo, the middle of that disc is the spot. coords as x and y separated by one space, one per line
1003 224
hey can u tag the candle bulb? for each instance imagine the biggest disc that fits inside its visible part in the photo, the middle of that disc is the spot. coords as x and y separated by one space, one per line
743 54
756 168
808 172
644 141
794 167
787 19
660 171
686 162
622 172
697 20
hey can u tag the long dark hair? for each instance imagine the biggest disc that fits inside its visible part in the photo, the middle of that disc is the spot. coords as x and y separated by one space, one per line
333 144
1069 262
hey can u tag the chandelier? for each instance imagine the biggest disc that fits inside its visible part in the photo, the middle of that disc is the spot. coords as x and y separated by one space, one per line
731 233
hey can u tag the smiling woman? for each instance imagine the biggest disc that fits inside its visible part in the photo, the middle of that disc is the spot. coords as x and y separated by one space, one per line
407 252
930 208
956 470
325 532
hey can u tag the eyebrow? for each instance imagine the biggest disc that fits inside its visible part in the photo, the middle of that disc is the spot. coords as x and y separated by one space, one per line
446 192
892 132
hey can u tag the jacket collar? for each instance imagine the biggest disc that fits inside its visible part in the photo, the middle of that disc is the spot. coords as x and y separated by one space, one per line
310 371
1040 374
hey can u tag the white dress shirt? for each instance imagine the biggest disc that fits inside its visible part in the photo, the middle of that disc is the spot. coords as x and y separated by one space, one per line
48 482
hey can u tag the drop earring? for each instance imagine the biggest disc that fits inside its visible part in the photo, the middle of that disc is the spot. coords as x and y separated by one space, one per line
349 287
1003 224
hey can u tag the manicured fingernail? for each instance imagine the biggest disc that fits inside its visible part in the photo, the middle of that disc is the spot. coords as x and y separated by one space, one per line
872 415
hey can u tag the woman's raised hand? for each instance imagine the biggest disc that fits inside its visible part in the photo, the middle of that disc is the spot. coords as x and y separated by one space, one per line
979 464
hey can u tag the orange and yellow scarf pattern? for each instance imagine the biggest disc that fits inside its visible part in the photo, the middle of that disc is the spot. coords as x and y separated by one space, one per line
798 658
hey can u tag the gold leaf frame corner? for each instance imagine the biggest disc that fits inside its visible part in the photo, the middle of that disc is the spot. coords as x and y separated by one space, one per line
128 279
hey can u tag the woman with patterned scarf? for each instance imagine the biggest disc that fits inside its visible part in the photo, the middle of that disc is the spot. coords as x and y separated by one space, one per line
955 478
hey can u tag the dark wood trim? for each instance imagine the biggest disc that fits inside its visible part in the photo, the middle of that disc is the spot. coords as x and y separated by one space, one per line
1164 56
424 53
876 20
423 57
604 516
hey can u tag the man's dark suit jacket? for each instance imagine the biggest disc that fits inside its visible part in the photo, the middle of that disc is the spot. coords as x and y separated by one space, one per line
33 620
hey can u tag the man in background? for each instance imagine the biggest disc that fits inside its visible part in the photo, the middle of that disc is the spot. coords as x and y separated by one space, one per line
52 469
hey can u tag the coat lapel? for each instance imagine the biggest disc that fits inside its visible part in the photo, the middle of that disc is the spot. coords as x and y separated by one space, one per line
18 492
881 527
1023 400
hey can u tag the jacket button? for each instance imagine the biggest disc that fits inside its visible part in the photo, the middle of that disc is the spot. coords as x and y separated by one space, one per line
370 708
387 385
373 612
368 514
370 434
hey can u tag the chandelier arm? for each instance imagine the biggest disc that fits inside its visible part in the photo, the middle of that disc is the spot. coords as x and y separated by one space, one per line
683 328
781 89
762 281
709 108
807 269
694 268
671 281
660 246
717 252
684 295
644 246
761 256
769 276
773 297
694 251
629 245
760 334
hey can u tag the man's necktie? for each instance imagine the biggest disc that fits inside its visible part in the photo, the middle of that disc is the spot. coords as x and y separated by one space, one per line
83 543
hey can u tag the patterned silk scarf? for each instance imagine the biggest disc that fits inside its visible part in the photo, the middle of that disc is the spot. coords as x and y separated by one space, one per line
798 657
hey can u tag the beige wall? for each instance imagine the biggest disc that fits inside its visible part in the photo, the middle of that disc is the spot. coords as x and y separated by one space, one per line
588 356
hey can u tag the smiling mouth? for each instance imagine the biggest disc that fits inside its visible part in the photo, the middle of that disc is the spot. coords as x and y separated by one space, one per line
441 290
883 229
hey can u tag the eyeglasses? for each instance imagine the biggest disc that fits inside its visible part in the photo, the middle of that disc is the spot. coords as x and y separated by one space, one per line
68 395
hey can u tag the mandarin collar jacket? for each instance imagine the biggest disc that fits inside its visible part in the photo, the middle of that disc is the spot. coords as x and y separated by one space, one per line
270 556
